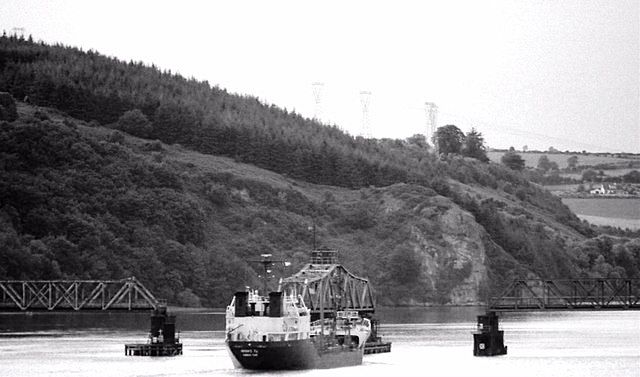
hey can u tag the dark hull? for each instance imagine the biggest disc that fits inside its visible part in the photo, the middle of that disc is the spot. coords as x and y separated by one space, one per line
292 354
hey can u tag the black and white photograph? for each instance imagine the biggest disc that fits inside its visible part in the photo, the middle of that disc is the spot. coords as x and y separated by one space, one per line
438 188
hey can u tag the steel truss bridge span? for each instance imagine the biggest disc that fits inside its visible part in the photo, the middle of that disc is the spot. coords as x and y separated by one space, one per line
75 295
331 287
569 294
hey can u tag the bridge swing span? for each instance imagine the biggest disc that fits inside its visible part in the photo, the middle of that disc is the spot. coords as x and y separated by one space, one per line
324 283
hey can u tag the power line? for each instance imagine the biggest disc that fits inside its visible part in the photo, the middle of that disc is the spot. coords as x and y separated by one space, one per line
519 132
502 130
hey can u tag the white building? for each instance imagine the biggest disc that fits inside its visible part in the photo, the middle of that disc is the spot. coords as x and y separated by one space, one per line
604 189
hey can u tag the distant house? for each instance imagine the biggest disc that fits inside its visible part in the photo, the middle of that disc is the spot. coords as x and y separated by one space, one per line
604 189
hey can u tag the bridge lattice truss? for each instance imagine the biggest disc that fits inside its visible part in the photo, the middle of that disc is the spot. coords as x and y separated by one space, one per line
74 295
332 287
569 294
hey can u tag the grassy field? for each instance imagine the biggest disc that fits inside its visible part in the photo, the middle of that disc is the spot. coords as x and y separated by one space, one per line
609 173
531 159
562 188
624 213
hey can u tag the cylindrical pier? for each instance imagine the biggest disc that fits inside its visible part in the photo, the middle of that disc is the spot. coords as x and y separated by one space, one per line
489 339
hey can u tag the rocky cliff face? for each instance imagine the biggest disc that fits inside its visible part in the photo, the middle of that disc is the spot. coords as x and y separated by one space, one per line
465 247
421 248
449 243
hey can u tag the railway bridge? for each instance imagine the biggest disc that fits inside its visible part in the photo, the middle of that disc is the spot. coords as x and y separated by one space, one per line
75 295
551 294
569 294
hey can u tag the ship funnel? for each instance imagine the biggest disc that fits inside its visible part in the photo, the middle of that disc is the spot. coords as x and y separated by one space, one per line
242 301
275 304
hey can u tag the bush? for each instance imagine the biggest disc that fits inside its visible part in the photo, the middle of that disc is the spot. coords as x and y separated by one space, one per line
188 298
154 146
8 110
513 161
116 137
632 177
217 194
135 123
441 187
39 114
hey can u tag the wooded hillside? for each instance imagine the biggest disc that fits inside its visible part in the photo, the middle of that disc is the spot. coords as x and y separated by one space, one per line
231 178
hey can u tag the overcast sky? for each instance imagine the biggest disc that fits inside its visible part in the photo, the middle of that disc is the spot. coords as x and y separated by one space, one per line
559 73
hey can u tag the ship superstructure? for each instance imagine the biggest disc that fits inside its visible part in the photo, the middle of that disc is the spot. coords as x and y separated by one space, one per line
252 317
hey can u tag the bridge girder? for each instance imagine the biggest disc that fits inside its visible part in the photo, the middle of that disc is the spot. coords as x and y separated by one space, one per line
75 295
568 294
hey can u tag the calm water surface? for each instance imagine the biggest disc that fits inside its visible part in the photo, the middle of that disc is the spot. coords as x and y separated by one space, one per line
426 342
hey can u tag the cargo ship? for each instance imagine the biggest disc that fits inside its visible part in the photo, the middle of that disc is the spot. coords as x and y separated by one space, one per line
276 333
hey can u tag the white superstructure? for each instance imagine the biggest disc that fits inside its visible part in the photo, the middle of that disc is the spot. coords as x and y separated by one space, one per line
263 322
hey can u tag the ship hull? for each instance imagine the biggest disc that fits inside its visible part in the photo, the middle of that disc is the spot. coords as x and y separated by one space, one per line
292 354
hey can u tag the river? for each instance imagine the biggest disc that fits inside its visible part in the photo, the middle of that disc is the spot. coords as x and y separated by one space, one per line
426 342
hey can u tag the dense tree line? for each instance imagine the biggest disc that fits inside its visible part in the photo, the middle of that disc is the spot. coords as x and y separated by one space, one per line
90 86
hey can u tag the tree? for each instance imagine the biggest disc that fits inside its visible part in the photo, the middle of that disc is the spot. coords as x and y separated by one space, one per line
8 109
448 139
474 146
589 175
632 177
175 123
572 162
513 161
544 163
134 122
418 140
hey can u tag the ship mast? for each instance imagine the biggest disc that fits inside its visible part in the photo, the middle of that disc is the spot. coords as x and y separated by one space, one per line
267 266
322 313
